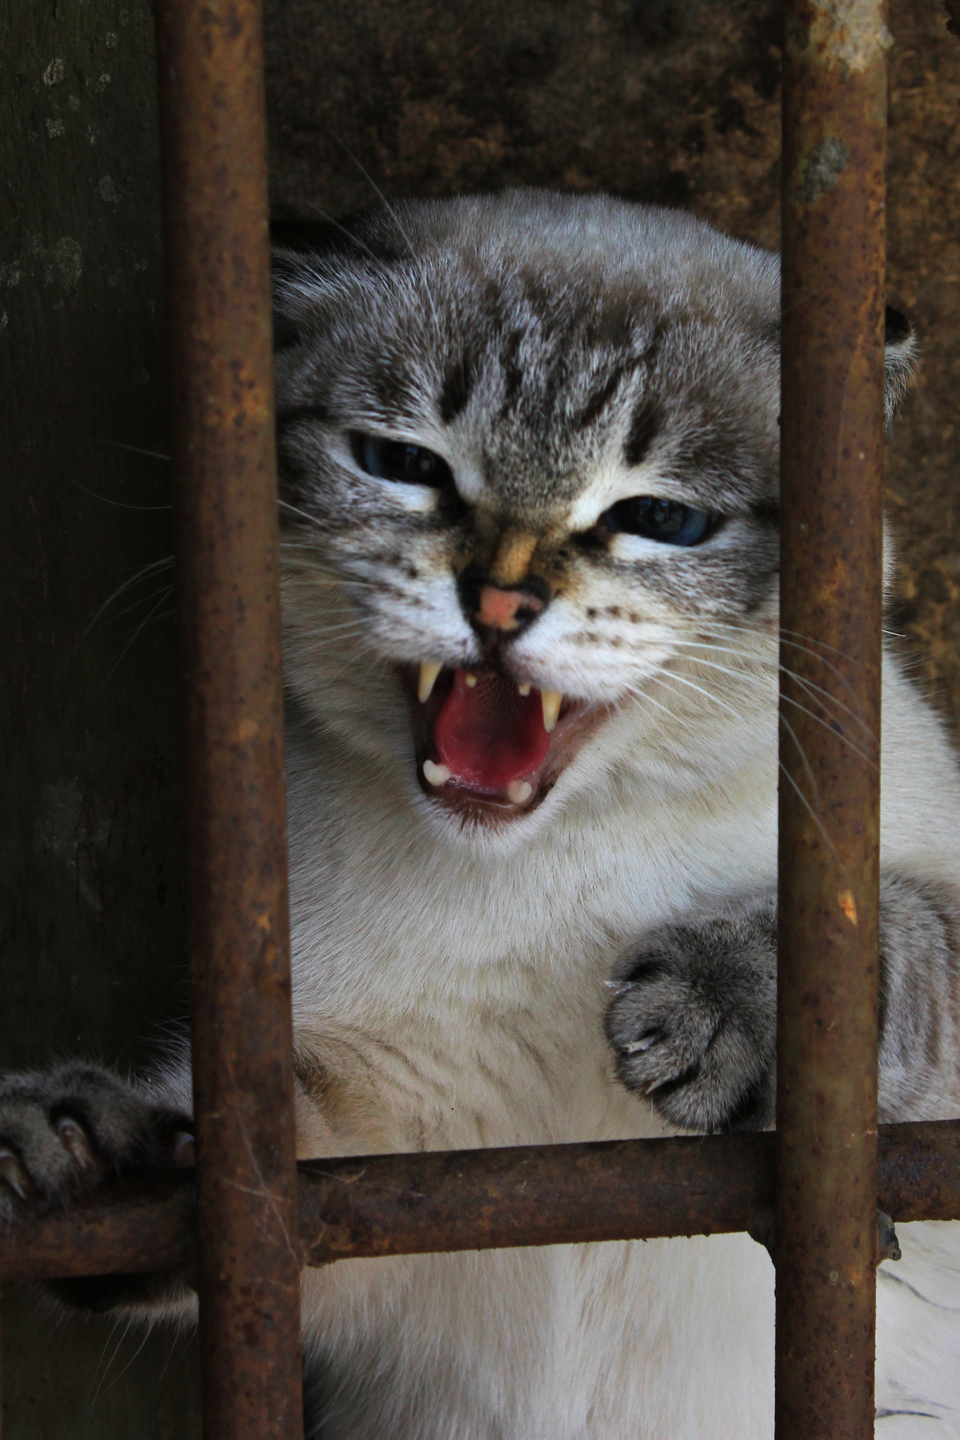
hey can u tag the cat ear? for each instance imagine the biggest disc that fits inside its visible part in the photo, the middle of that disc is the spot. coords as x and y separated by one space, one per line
899 355
308 255
899 358
299 248
304 254
287 329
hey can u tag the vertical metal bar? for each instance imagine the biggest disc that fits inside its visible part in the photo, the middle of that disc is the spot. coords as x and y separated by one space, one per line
210 57
834 133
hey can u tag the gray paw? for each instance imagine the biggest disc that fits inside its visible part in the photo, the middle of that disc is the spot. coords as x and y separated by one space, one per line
693 1021
64 1131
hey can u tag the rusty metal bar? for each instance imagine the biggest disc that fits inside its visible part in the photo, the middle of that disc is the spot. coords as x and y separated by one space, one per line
213 133
834 150
485 1199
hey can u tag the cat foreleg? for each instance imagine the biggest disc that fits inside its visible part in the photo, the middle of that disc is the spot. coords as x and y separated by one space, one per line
64 1130
692 1021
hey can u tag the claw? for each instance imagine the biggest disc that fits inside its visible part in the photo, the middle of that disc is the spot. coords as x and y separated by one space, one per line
184 1149
634 1047
76 1142
13 1174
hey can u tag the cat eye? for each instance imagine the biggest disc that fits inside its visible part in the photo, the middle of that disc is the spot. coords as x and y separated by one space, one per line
669 521
396 460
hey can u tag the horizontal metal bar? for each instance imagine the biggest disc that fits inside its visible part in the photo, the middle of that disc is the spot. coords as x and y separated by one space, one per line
379 1205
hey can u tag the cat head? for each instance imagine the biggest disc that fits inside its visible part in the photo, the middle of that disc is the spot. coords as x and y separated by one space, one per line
528 452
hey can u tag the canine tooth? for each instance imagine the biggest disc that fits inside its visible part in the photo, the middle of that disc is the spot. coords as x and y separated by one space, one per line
470 680
435 774
428 678
524 690
519 792
551 701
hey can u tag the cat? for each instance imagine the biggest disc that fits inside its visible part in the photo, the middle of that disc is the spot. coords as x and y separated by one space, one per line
528 452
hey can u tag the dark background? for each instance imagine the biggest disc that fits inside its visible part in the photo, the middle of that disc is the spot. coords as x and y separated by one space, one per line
668 100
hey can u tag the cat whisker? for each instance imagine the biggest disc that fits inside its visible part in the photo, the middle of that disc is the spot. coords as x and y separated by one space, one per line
414 255
804 759
813 691
340 610
807 685
303 514
814 654
118 504
788 699
314 644
134 449
342 228
356 624
822 644
334 576
808 807
812 813
153 595
643 697
150 569
707 694
151 615
725 626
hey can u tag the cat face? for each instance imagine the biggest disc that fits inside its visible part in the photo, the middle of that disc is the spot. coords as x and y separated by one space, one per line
528 452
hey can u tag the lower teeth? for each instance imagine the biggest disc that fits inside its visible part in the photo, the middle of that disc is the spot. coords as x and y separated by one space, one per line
519 792
435 774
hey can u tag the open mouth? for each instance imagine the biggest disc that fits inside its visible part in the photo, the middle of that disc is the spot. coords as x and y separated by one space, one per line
487 746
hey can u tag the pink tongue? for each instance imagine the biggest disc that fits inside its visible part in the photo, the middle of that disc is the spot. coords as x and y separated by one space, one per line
488 734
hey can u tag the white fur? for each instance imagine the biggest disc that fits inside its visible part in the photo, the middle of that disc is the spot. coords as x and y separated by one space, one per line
449 981
424 969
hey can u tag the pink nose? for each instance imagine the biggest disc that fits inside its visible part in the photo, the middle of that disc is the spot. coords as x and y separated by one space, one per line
499 609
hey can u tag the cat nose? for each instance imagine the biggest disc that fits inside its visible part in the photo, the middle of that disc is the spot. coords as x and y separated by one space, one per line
507 610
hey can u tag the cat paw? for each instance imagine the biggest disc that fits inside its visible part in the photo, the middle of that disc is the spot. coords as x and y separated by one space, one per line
692 1021
64 1131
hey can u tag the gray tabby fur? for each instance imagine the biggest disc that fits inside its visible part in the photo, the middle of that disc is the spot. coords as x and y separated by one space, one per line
452 975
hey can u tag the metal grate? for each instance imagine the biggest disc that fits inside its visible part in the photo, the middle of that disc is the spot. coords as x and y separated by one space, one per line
251 1221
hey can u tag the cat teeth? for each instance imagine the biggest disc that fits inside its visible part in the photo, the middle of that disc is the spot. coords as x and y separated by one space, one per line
435 775
524 690
551 701
428 678
470 681
519 792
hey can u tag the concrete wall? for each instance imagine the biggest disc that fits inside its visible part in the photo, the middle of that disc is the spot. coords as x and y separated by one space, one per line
671 100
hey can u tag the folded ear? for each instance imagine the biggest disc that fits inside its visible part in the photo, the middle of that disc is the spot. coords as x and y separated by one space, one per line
899 359
299 251
308 256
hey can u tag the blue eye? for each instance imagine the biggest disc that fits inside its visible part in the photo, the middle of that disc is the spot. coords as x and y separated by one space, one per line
396 460
669 521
